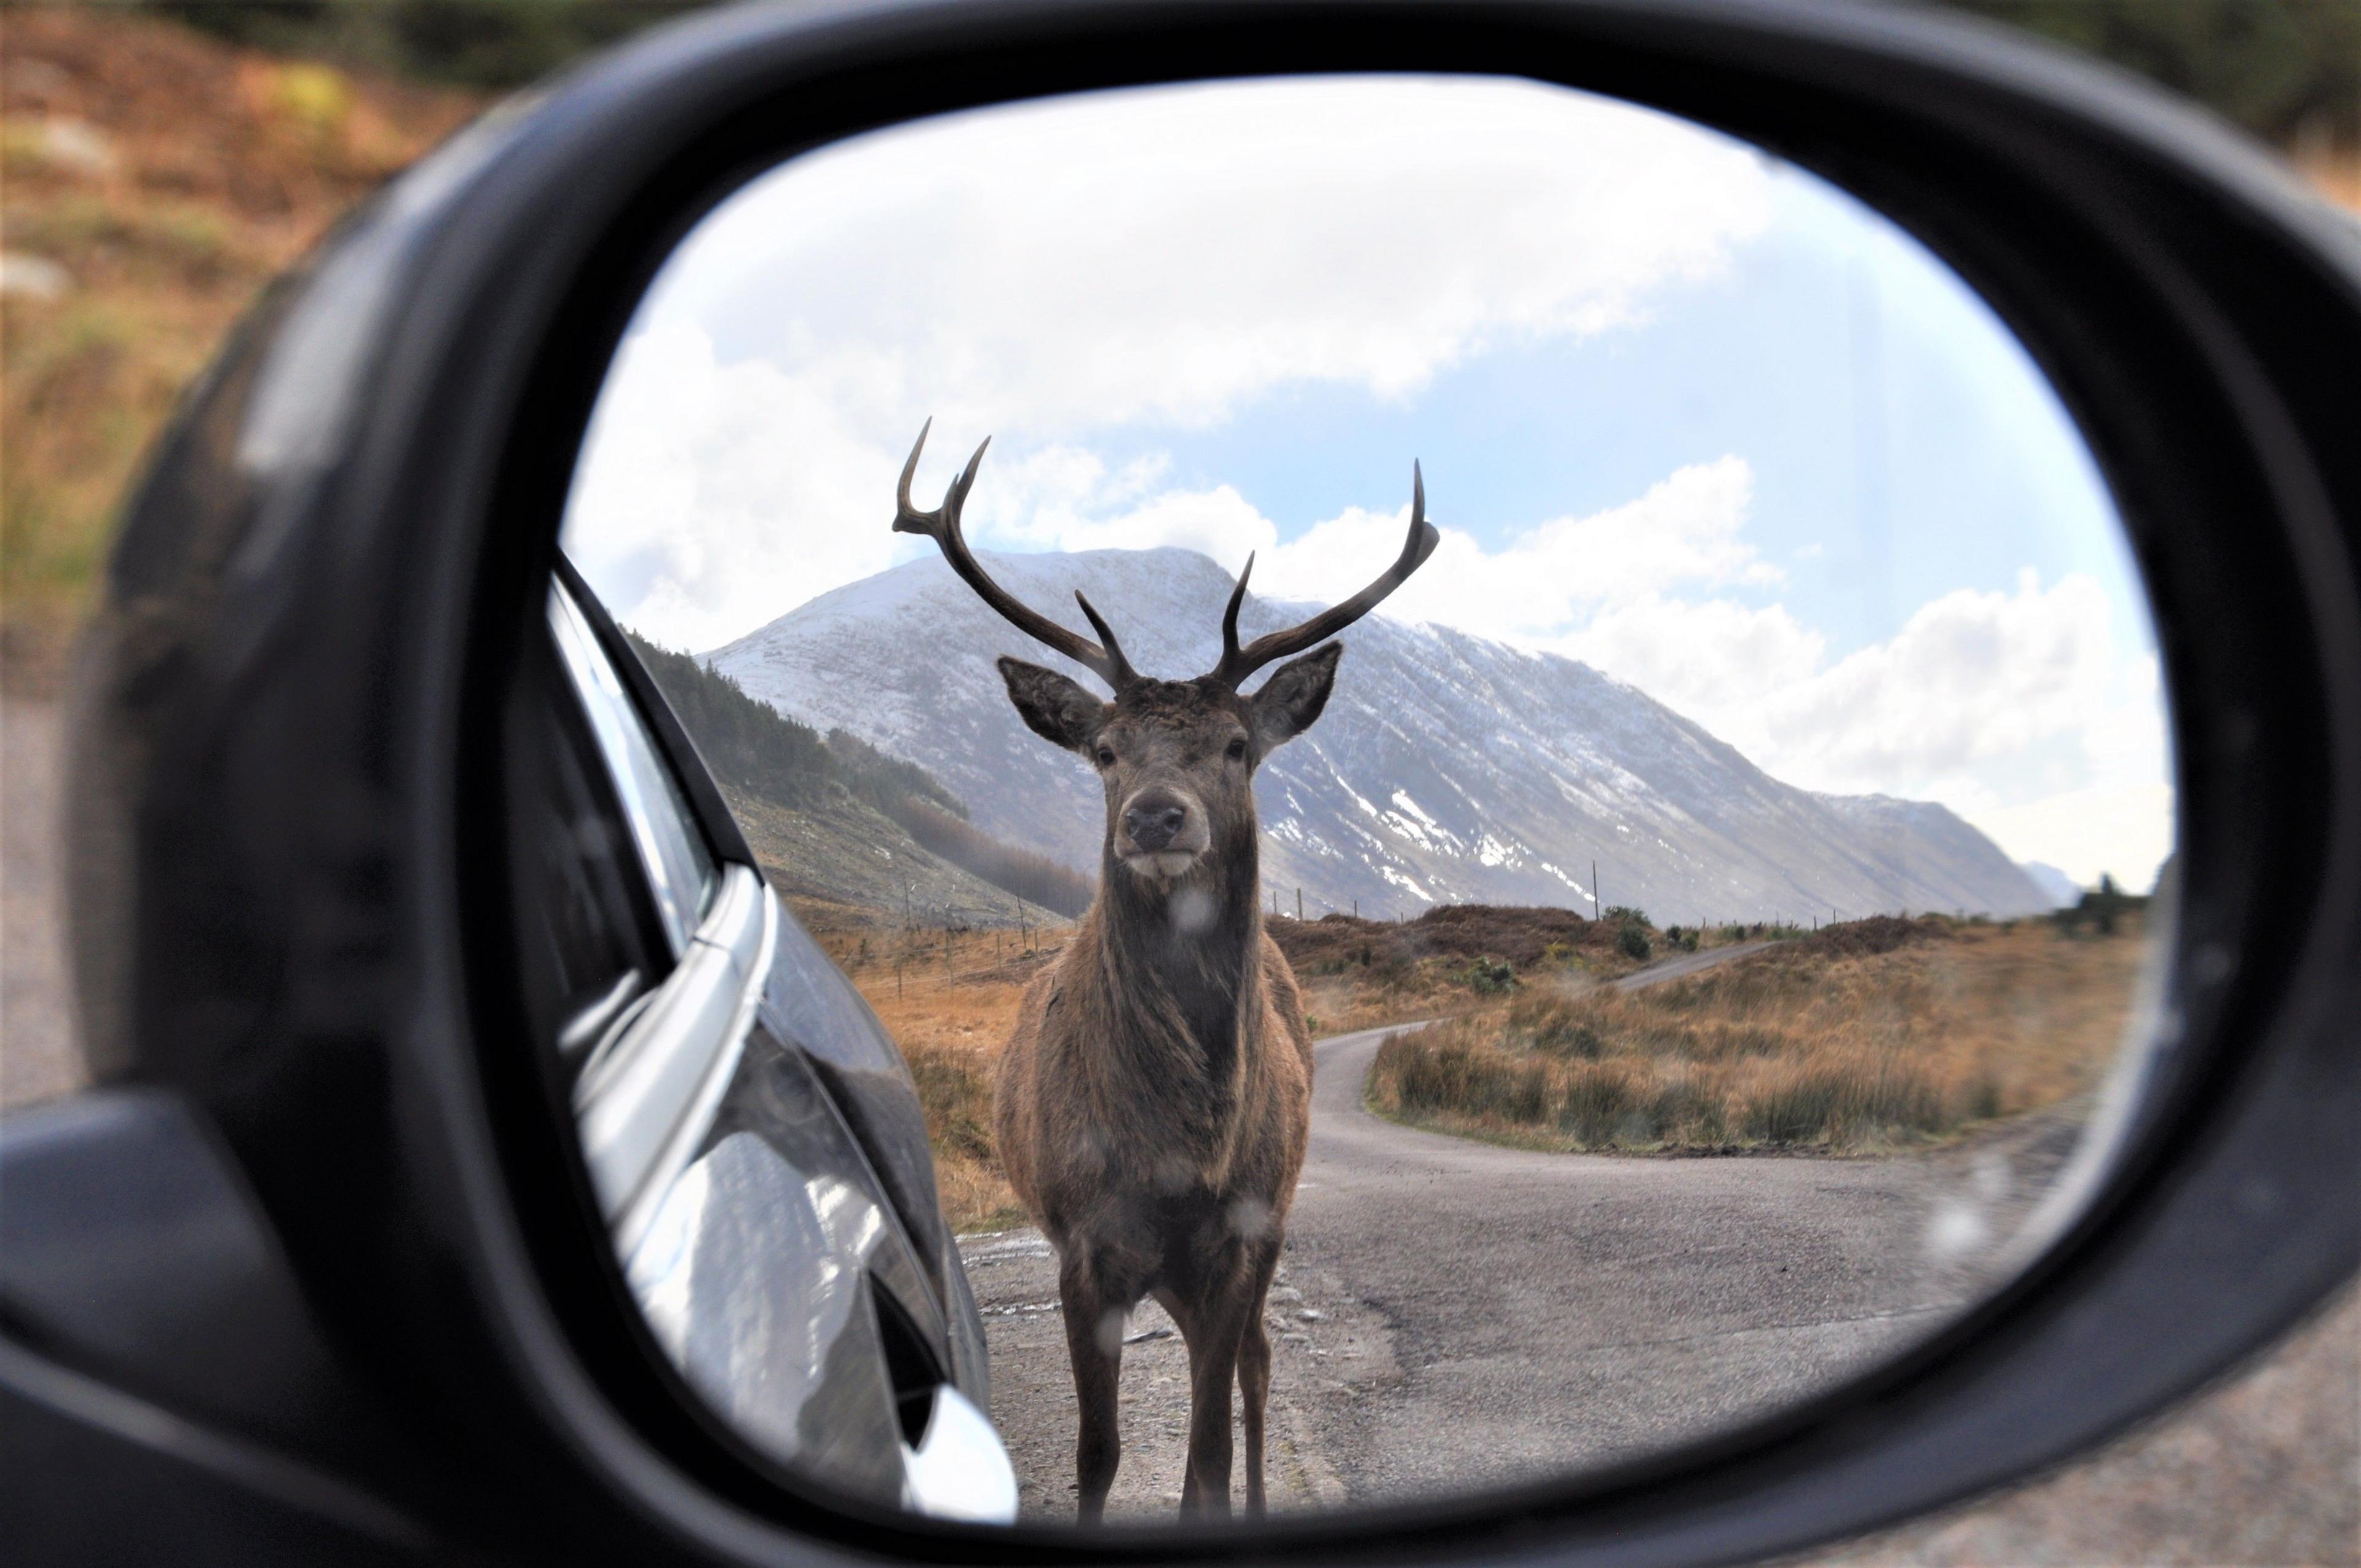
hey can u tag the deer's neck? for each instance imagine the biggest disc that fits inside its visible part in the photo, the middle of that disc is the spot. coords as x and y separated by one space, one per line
1185 959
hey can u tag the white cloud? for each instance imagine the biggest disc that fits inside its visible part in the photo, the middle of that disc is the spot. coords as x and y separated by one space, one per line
708 490
1715 657
2015 709
1118 257
1051 270
2122 829
1970 677
1684 530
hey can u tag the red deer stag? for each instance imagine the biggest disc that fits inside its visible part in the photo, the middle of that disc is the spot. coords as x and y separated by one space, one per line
1155 1095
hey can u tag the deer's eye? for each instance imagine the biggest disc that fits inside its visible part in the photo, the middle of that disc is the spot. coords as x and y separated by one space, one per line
1106 756
1238 750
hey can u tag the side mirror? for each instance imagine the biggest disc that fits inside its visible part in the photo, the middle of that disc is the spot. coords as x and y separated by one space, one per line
438 1075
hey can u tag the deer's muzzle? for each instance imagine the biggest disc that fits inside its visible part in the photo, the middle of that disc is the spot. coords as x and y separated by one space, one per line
1161 832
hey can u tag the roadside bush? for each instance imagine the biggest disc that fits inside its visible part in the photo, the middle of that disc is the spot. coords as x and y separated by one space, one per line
1560 1034
1844 1105
1598 1097
1491 977
1689 1109
1633 943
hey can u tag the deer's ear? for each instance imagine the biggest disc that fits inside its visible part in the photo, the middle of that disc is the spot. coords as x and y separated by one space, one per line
1052 706
1293 696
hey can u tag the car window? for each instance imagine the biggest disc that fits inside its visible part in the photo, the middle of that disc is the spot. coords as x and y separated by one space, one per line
591 945
672 850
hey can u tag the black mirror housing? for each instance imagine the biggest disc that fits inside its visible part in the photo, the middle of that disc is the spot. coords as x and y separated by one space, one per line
290 918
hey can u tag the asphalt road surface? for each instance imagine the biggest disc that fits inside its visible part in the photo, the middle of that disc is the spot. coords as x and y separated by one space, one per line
1451 1314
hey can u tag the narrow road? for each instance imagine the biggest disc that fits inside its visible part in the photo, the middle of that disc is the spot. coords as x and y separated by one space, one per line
1681 965
38 1058
1450 1313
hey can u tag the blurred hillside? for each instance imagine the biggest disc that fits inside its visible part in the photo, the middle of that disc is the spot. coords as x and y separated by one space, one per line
2289 71
155 179
164 159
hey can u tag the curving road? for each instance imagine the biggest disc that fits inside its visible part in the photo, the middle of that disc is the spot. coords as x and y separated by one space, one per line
1451 1313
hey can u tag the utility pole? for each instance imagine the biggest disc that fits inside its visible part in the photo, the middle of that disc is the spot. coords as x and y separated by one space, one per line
1595 906
1357 909
1299 907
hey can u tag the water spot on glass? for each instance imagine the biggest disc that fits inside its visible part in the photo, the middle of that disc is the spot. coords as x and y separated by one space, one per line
1955 1230
1250 1218
1192 910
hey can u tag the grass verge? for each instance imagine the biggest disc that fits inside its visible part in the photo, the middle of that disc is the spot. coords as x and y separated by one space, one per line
1871 1035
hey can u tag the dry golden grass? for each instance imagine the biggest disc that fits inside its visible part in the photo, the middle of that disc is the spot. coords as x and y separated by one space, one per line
1359 974
950 1002
1805 1045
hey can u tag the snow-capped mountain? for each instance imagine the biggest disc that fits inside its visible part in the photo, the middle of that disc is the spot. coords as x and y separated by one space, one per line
1447 768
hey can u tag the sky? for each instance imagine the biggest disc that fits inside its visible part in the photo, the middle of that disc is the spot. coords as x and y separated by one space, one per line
1685 412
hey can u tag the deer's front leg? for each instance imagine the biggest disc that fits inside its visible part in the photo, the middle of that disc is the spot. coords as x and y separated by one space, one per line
1097 1356
1254 1374
1219 1319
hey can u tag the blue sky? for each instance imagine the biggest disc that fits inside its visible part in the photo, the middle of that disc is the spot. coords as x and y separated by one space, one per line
1685 411
1903 444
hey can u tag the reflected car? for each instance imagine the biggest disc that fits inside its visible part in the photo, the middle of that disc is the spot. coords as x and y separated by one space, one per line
751 1136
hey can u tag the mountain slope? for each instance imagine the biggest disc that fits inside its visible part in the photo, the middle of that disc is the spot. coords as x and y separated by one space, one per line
815 781
2063 892
847 852
1446 768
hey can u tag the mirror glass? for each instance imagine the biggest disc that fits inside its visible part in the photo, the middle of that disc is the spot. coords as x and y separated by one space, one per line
1039 1057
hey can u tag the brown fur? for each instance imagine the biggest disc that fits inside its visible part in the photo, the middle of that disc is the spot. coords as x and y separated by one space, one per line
1154 1099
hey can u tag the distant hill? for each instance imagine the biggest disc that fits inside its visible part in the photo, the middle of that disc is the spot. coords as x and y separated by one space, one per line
2062 891
839 806
1447 768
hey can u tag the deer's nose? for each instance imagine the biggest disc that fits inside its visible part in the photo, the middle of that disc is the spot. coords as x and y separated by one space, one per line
1153 823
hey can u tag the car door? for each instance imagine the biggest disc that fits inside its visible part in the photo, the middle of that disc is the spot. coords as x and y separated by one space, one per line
749 1134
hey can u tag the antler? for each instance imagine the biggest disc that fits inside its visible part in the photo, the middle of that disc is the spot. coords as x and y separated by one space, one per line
942 526
1238 662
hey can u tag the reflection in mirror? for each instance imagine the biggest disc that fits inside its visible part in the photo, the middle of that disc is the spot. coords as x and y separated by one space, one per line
1155 1041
